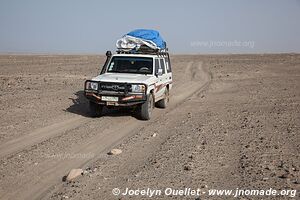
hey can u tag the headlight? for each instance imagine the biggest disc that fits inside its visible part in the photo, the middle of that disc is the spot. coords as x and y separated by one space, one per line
138 88
91 85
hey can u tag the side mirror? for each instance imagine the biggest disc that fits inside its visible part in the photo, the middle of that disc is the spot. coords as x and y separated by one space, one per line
159 72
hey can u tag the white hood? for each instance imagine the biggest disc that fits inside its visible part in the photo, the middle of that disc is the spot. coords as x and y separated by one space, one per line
123 78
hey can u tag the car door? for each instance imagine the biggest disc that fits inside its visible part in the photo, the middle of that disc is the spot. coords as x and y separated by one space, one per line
159 84
169 72
164 75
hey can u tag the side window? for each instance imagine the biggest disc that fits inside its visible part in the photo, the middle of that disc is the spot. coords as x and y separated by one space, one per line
111 66
162 65
156 62
168 66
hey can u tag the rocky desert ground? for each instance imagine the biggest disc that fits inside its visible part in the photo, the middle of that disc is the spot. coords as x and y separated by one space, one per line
233 122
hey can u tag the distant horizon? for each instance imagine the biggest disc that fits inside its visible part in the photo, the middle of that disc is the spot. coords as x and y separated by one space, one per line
172 54
206 27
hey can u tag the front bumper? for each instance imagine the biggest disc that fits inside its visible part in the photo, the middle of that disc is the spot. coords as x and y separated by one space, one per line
122 96
129 99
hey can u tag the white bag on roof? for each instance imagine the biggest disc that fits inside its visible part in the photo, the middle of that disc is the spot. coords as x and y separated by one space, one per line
130 42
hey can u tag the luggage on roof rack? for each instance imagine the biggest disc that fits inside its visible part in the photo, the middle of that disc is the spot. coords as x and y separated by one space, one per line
143 50
141 41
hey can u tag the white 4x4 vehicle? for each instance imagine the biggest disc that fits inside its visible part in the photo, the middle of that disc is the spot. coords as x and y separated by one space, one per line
140 80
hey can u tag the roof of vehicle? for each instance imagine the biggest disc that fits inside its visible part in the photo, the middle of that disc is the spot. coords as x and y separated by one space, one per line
137 55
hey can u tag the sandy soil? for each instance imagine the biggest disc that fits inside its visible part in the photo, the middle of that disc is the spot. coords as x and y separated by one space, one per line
233 122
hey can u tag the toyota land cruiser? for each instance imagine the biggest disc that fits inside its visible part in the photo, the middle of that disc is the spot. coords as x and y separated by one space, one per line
140 80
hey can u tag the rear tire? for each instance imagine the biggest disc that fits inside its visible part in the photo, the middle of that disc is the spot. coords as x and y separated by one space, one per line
95 109
146 108
165 101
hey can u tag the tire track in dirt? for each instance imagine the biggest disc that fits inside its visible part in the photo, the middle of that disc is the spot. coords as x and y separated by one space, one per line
40 135
45 133
199 79
50 173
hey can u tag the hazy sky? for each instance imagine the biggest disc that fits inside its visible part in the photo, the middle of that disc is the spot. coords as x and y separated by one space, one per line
188 26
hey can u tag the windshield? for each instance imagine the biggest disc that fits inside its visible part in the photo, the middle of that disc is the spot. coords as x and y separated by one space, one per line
136 65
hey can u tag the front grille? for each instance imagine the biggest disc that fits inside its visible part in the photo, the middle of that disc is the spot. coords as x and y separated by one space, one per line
115 87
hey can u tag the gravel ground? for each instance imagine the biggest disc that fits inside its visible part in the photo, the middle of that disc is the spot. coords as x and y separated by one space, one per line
233 123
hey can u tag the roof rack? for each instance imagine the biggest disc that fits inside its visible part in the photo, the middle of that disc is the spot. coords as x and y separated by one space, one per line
144 50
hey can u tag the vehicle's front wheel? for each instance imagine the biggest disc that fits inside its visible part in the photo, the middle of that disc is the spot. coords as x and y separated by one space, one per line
95 109
146 108
165 101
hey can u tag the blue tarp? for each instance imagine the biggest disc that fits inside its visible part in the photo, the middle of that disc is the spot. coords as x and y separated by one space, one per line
150 35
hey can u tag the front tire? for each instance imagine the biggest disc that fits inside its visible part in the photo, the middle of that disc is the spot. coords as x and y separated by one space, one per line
95 109
165 101
146 108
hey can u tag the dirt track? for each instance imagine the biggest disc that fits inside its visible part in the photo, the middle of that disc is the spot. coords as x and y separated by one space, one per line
233 122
